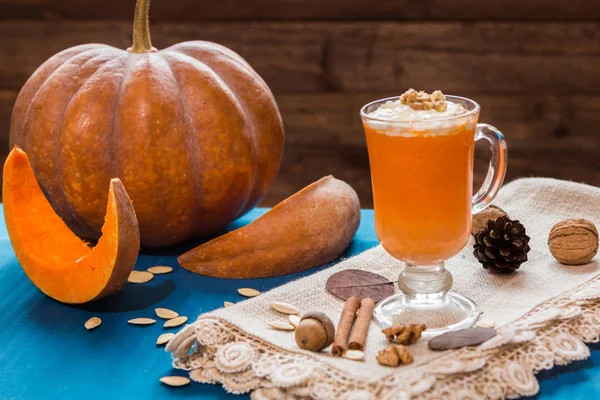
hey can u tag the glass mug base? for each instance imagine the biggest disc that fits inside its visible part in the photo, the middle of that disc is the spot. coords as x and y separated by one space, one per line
443 314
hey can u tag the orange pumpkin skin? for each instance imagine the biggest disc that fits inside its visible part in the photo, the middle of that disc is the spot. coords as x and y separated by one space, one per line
192 131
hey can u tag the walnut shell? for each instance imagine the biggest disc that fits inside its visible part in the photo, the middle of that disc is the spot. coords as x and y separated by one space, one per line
482 217
573 241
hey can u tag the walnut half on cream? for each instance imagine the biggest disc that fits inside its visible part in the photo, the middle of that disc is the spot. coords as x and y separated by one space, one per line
424 101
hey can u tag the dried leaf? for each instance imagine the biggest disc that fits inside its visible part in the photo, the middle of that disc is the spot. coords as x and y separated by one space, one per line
355 282
227 304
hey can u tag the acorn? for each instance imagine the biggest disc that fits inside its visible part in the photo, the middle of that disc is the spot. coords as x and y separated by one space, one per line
315 331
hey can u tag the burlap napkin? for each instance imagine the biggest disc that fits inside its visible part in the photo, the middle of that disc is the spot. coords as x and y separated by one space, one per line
544 313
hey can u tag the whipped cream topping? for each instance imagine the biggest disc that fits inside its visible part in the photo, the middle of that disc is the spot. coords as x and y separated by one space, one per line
396 111
397 119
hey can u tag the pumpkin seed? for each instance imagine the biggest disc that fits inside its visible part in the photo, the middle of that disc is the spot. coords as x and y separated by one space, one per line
173 322
141 321
227 304
485 323
355 355
281 326
285 308
165 313
140 277
92 323
175 380
248 292
164 338
294 320
160 269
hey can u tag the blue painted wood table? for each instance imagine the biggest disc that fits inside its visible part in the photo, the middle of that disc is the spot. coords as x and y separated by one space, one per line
45 352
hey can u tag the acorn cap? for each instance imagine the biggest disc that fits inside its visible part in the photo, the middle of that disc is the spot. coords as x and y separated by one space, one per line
326 322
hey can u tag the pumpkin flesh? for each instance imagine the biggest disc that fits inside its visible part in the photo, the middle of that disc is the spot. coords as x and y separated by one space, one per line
59 263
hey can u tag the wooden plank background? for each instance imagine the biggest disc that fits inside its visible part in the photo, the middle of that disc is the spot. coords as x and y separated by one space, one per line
534 66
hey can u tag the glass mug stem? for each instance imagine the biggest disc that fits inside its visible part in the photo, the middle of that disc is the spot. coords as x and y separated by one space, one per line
424 282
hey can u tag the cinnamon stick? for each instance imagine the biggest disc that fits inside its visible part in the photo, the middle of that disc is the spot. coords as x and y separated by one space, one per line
340 342
358 337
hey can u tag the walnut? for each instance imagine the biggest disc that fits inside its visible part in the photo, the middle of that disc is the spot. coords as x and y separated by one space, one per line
481 218
404 334
408 97
394 356
421 106
439 106
573 241
424 101
438 96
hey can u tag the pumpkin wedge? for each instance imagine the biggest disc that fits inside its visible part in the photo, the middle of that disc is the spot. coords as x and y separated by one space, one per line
308 229
57 262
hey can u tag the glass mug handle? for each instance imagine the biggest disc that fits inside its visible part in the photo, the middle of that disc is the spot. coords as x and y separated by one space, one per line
497 170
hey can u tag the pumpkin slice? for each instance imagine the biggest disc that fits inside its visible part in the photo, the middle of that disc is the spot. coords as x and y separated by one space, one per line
57 262
308 229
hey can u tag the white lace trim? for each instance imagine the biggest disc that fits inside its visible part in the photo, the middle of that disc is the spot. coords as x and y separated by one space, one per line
554 333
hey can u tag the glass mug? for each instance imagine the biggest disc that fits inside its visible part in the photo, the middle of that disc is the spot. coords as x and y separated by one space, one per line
422 176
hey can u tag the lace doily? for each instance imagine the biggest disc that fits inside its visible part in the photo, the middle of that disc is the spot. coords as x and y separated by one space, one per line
555 333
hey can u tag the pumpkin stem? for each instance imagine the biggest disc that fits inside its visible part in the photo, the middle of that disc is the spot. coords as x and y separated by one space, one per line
141 28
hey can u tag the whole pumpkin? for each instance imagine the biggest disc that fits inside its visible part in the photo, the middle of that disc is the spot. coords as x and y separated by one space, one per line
192 131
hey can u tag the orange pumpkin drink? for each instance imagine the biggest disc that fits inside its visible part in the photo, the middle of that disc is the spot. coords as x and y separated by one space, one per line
422 177
421 150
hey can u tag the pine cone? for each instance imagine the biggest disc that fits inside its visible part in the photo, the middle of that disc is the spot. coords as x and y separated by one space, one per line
502 246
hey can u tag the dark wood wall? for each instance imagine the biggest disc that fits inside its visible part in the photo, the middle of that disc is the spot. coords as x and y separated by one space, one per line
533 65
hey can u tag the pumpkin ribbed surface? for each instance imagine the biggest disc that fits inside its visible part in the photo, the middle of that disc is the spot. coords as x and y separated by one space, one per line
192 131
